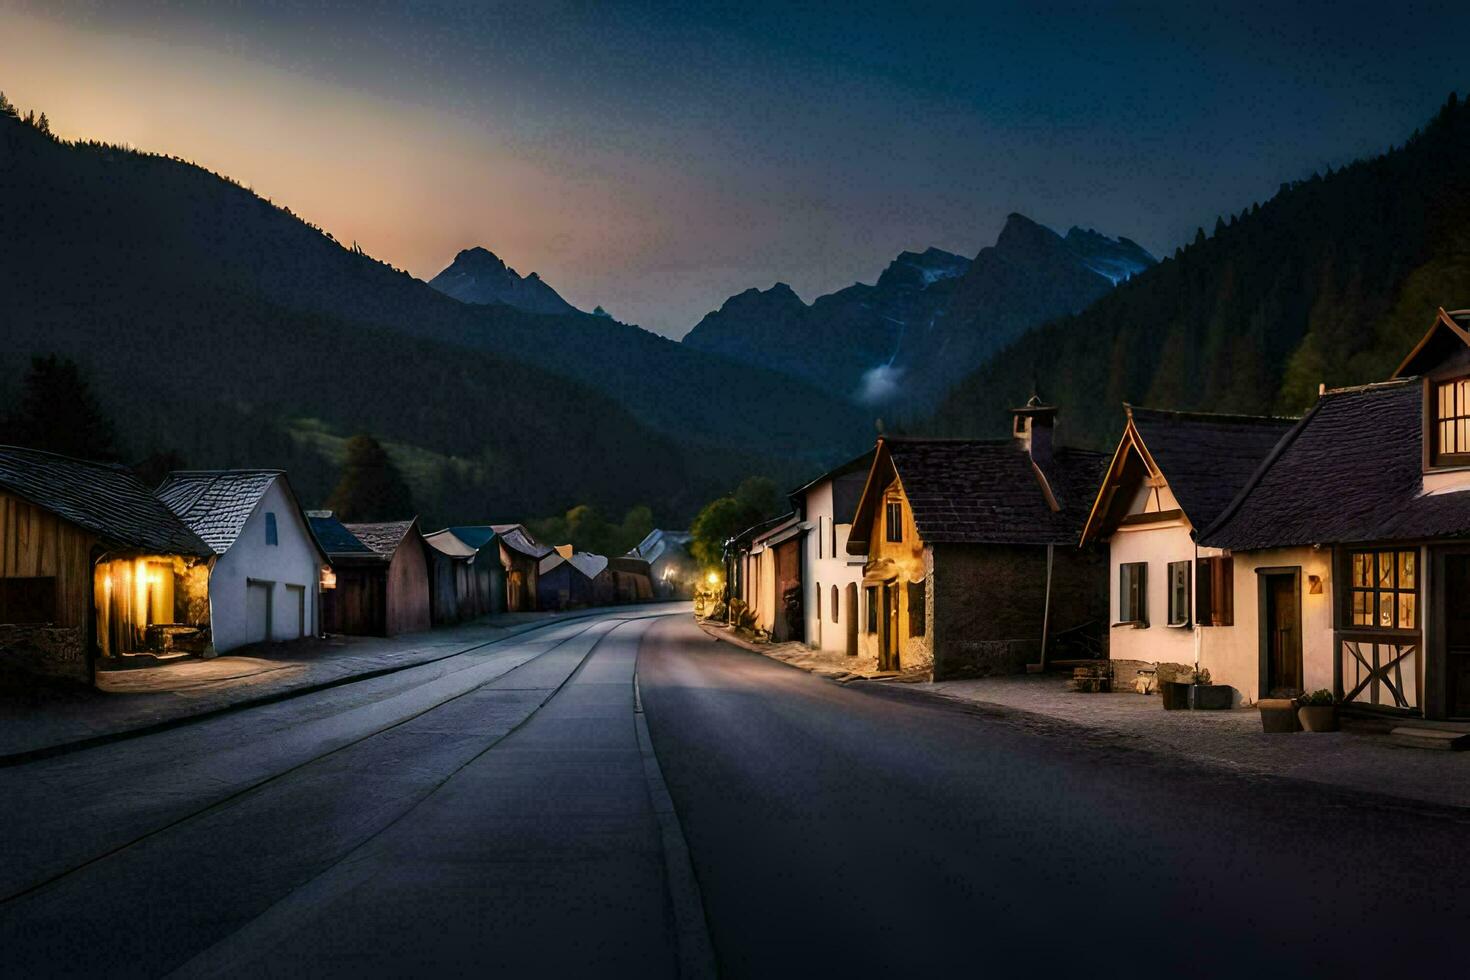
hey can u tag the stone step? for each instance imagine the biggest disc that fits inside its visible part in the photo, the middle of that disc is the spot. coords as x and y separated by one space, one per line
1431 738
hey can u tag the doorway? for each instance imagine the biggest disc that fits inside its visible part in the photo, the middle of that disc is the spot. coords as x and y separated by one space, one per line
1280 593
1457 634
888 658
852 619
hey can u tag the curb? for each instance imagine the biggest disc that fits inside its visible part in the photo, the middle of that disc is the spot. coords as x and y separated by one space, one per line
696 952
153 728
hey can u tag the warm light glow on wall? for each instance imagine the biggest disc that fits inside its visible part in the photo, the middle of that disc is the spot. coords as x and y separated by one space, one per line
329 577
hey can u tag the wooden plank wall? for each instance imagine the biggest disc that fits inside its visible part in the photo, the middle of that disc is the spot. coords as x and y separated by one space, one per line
36 542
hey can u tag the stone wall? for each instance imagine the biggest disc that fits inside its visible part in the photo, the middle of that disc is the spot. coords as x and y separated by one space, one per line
55 651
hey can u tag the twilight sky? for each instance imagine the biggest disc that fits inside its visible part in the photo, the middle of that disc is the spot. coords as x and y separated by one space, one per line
657 158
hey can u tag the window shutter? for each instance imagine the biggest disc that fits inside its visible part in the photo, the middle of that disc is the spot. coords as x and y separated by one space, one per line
1224 585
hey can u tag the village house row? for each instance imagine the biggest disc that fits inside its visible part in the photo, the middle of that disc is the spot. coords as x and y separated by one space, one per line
1281 555
95 569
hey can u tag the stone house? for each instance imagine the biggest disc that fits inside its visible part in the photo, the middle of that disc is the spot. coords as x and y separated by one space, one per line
972 563
1171 476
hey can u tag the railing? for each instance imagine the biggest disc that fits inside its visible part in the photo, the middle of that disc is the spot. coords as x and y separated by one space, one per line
1380 670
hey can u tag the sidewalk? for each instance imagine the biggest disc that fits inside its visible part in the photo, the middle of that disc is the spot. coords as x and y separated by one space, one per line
36 718
1359 758
825 663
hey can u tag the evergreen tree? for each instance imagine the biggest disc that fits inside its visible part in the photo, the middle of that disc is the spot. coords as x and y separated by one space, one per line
58 413
371 488
44 124
7 108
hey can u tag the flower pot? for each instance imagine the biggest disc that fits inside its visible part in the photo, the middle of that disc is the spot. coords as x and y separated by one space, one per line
1210 697
1278 715
1174 695
1318 717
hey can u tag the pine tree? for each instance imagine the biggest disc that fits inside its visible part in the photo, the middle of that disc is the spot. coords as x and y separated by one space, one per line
7 108
44 124
58 413
371 488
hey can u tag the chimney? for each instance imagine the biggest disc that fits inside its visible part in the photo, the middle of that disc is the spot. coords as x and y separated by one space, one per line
1032 426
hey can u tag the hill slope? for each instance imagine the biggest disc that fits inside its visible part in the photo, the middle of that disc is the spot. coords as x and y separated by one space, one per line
1330 281
931 316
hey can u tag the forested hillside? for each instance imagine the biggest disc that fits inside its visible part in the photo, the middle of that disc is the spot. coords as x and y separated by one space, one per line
1332 280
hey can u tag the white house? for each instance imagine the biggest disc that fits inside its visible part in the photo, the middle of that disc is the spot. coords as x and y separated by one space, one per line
1171 476
265 581
831 578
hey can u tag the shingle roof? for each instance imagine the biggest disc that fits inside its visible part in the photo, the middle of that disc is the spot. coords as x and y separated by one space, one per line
382 537
335 537
1349 472
215 504
987 492
1205 458
106 500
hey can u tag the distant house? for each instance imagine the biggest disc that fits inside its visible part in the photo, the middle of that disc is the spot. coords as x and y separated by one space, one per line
467 579
518 556
380 576
1351 545
674 570
831 578
764 570
91 563
1171 476
570 579
265 580
972 558
631 577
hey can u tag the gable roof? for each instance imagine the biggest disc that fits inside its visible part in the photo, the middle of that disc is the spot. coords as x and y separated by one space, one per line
518 539
215 504
1205 458
583 562
383 537
1350 472
449 543
967 491
1450 332
845 494
335 538
658 542
104 499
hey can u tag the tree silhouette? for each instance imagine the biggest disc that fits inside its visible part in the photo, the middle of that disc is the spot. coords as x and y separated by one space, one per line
755 500
58 413
371 488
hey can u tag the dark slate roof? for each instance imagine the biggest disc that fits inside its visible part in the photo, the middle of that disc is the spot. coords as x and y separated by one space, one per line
215 504
986 492
1206 459
751 533
476 536
517 538
1349 472
335 537
858 467
382 537
104 499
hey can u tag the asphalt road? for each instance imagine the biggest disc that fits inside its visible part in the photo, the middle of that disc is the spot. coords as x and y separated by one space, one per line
493 814
872 831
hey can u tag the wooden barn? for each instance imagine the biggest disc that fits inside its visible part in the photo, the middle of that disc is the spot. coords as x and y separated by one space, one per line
518 555
463 579
379 581
632 578
91 563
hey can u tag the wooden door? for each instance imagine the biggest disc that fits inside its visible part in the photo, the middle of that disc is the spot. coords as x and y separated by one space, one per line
888 657
1283 636
852 619
1457 634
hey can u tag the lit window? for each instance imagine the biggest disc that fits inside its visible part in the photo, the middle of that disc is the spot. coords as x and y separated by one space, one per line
270 529
1383 590
1452 421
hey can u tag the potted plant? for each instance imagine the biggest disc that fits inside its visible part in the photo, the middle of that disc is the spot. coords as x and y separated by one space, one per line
1278 715
1318 711
1204 696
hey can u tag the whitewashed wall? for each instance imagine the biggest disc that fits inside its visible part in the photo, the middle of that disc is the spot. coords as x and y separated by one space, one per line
822 568
294 561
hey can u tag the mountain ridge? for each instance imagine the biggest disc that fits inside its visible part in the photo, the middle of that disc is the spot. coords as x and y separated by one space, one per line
477 275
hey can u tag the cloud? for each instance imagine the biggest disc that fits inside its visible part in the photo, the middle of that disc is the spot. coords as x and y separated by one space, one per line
879 384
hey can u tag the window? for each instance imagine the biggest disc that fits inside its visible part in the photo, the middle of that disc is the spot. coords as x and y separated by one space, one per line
893 520
1452 421
820 538
834 603
1382 591
871 595
1178 593
28 600
819 602
270 529
1133 593
916 607
1214 584
832 526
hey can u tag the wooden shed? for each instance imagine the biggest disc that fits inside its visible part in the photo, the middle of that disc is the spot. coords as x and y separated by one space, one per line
573 579
379 582
91 563
632 578
401 546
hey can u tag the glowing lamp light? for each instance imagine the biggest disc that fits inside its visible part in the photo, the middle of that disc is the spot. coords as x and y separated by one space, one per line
329 578
712 578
